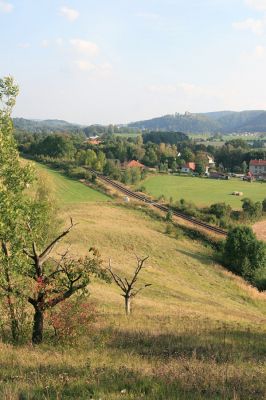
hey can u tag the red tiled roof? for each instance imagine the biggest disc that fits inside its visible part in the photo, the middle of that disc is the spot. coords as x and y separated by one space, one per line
257 162
191 165
94 141
134 164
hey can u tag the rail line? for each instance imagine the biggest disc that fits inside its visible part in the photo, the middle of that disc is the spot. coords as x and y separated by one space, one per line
159 206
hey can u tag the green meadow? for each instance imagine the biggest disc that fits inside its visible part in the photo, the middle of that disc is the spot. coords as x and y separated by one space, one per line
68 190
204 191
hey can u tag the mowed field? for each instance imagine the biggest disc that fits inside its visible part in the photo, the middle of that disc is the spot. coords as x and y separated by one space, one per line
197 333
203 191
67 190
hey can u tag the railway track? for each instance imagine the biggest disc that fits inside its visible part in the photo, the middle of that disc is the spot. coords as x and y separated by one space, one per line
159 206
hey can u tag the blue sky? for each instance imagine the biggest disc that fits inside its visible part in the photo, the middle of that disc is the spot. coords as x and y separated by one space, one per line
114 61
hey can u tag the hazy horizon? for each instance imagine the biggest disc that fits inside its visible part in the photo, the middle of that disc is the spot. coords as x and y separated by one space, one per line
118 61
128 122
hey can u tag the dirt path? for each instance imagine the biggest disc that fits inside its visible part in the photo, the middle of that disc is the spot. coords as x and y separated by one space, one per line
260 230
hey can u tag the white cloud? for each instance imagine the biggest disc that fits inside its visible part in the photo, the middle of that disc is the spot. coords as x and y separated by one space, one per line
70 13
257 4
45 43
257 55
256 26
6 7
84 46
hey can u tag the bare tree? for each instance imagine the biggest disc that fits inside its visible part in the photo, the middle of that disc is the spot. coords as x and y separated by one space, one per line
128 286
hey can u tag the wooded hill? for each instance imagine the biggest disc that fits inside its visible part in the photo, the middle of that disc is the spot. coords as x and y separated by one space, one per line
213 122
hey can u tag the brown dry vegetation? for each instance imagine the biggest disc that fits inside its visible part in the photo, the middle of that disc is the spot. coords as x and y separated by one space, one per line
197 333
260 230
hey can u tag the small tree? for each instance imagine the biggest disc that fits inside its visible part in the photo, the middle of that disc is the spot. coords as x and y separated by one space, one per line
251 210
127 286
220 210
169 216
56 281
264 205
243 254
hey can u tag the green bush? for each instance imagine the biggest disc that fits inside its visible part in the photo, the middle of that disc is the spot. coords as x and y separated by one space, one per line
243 254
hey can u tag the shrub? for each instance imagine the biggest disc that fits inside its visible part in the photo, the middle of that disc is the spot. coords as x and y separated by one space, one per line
243 254
264 205
251 210
72 318
220 210
169 216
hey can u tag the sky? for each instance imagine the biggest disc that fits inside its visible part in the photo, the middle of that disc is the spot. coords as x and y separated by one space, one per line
117 61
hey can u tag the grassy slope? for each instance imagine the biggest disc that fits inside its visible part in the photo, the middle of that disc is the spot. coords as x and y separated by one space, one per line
204 192
196 333
69 190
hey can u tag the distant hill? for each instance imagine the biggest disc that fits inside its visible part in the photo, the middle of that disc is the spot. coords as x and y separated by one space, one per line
49 125
213 122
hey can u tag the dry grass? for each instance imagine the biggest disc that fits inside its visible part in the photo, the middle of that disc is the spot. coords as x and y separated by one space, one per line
182 273
197 333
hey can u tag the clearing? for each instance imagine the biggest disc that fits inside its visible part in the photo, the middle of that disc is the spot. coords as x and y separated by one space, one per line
203 191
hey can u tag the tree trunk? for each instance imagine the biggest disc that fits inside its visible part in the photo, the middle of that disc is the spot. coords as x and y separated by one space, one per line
37 332
13 320
128 305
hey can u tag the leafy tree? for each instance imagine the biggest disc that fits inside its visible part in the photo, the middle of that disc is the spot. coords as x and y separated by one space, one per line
169 216
26 224
264 205
58 146
220 210
188 155
251 210
150 157
14 179
243 254
112 170
244 167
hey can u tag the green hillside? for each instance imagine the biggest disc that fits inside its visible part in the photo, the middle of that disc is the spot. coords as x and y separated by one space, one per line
69 190
197 333
213 122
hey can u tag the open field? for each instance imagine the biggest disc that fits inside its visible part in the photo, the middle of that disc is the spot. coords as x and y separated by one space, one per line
204 192
197 333
68 190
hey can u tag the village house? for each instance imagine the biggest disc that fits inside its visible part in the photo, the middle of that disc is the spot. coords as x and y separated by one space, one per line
133 164
258 169
94 140
189 167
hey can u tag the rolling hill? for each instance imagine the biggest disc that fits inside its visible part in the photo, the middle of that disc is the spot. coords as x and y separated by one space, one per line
49 125
214 122
210 122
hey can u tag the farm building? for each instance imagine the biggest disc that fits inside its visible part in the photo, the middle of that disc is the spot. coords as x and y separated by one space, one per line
93 140
188 167
258 169
133 164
